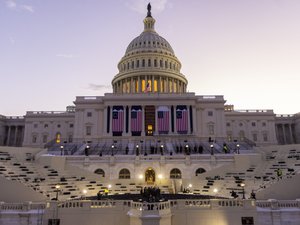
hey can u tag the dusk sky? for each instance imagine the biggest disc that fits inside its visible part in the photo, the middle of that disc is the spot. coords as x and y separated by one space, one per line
54 50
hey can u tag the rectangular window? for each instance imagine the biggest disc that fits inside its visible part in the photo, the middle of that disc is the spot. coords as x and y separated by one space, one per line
155 62
254 137
34 139
265 137
45 138
143 63
149 62
137 63
46 125
71 125
89 114
88 130
210 113
211 129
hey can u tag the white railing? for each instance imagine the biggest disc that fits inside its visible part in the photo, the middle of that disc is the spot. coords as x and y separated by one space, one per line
21 206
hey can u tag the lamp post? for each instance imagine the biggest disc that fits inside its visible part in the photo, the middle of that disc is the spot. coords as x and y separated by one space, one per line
112 149
243 186
238 149
162 149
84 191
212 149
57 187
187 149
61 149
137 150
86 150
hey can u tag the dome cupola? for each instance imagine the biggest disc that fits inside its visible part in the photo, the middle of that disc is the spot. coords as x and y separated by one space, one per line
149 64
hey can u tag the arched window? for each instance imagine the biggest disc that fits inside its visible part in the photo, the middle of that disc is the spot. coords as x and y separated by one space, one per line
100 172
199 171
175 174
124 174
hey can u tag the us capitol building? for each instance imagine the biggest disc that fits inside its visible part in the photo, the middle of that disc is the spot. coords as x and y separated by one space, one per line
93 163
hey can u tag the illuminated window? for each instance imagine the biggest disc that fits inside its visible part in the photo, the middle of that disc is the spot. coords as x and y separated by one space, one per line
175 87
136 86
155 85
57 137
170 86
143 85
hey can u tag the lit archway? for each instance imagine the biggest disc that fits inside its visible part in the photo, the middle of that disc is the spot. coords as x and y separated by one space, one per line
150 176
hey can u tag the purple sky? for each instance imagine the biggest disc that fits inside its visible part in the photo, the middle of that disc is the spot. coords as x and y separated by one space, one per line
54 50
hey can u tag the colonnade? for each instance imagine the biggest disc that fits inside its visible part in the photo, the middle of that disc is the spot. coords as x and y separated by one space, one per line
285 133
13 135
156 83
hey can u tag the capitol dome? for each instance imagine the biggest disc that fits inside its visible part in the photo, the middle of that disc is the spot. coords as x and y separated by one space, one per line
149 65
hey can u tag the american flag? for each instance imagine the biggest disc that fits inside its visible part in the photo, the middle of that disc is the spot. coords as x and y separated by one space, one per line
163 121
117 119
147 88
136 119
181 119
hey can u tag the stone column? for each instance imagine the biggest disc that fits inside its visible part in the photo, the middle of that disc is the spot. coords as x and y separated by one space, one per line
170 120
15 138
188 118
143 121
8 136
291 134
159 85
284 135
156 120
174 120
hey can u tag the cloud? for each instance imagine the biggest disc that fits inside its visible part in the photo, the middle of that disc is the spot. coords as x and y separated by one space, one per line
28 8
13 5
140 6
98 87
67 56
